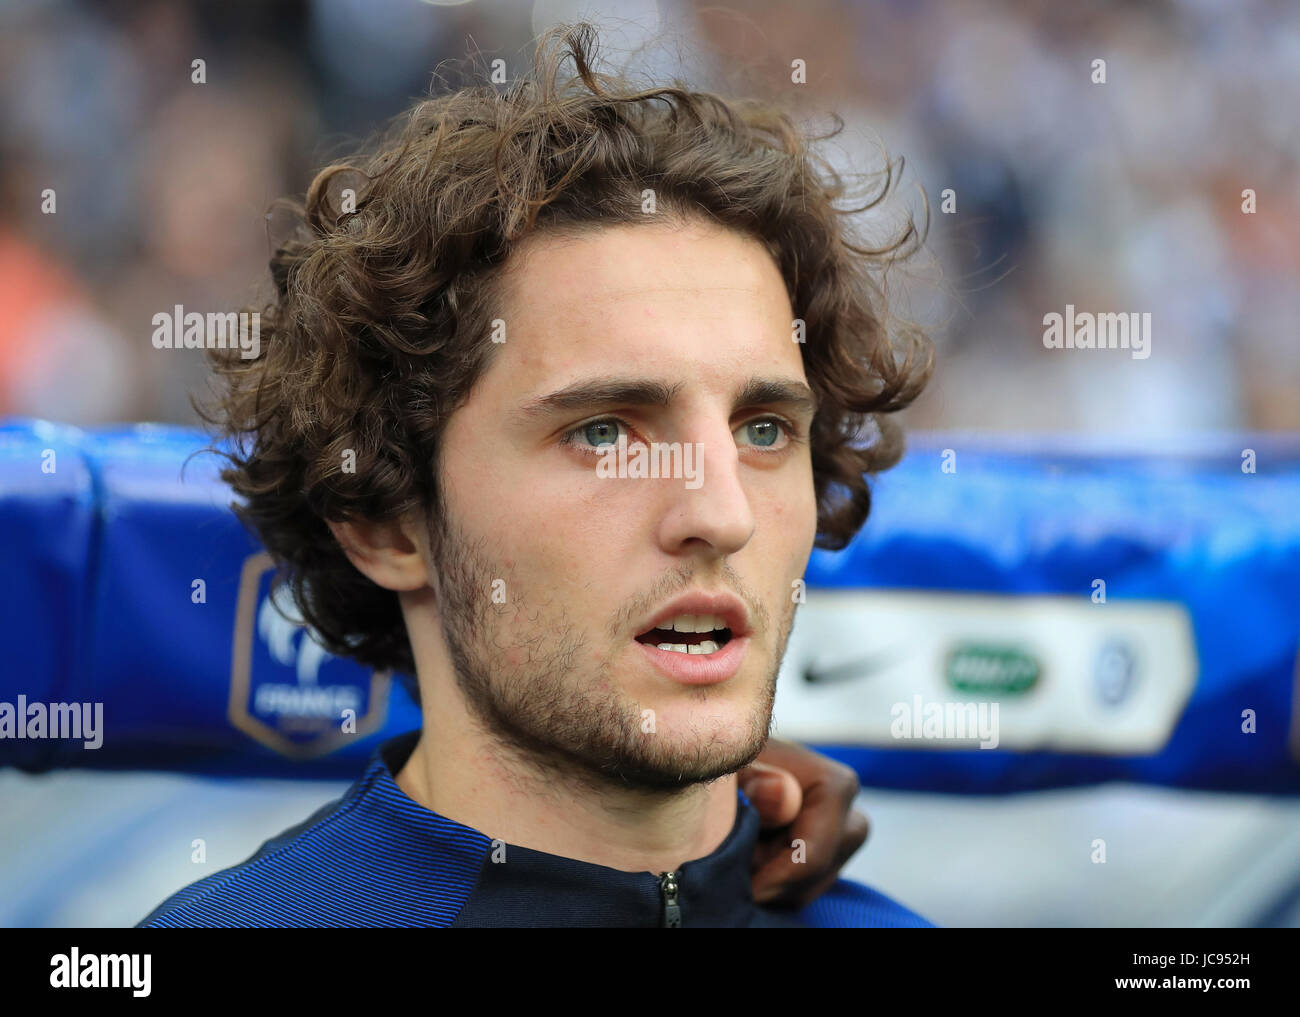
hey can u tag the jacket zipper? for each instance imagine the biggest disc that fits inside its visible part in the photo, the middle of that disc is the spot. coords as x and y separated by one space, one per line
672 918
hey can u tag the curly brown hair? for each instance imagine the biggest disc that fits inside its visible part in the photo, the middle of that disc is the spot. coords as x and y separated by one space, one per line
379 326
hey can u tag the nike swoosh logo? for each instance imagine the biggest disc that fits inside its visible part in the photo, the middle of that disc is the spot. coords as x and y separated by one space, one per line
858 667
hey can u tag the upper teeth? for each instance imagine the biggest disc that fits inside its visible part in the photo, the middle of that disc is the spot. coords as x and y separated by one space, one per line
694 623
707 646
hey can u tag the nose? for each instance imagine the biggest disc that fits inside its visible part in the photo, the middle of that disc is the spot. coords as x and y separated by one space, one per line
714 510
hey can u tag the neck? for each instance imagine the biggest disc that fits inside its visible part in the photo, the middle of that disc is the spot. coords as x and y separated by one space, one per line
461 771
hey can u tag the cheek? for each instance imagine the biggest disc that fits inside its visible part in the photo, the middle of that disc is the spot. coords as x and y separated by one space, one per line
562 560
794 525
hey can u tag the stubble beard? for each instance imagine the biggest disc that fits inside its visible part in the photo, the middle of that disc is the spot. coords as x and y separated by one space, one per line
543 712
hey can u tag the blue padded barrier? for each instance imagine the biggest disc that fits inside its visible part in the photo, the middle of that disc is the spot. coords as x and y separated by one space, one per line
130 584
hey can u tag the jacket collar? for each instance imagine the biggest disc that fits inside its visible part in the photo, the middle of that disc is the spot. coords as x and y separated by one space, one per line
536 888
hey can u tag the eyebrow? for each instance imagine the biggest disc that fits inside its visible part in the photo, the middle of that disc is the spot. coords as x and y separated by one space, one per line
583 395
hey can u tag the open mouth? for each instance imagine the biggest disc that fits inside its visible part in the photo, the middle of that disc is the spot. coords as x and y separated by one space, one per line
688 634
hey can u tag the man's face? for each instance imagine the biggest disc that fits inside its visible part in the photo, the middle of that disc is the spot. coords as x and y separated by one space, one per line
550 569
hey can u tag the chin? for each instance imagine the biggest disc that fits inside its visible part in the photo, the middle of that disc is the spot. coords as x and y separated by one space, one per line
685 764
694 733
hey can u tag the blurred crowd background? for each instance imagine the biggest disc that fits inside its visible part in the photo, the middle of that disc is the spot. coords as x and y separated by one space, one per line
1123 196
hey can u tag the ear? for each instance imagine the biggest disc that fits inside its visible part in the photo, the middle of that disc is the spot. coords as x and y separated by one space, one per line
391 554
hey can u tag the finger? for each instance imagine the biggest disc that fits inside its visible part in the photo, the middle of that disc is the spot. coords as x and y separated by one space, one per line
815 836
807 864
775 793
826 785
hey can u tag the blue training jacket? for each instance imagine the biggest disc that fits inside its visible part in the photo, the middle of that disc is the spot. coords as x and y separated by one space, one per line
375 858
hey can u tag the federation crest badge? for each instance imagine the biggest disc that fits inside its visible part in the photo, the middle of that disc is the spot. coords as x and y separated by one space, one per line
286 690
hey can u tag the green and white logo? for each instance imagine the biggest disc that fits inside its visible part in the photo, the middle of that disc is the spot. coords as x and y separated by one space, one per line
992 670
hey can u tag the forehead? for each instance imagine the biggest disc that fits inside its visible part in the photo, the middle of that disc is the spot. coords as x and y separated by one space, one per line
671 297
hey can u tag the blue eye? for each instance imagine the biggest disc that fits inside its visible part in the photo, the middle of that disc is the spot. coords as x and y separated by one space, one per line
763 433
596 433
